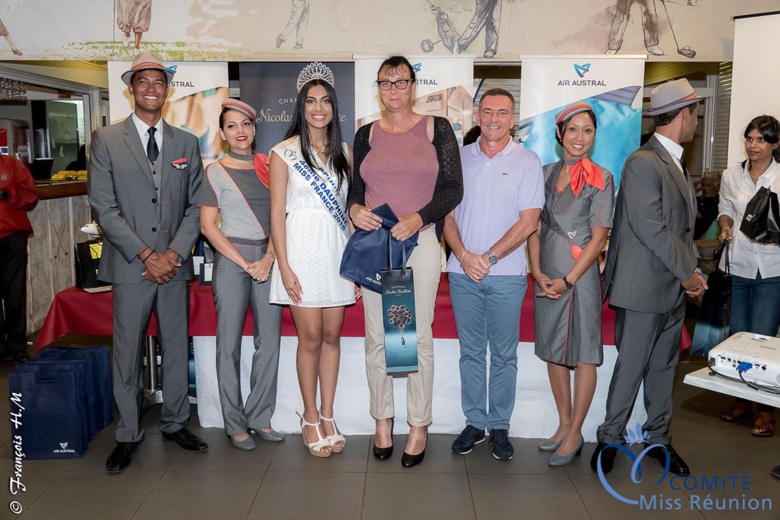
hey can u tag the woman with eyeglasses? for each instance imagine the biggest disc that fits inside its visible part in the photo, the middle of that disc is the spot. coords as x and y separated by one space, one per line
411 162
755 267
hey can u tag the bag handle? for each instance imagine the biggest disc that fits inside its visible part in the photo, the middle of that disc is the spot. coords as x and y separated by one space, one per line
390 253
726 264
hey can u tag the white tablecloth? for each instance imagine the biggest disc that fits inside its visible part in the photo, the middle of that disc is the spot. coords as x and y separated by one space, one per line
534 415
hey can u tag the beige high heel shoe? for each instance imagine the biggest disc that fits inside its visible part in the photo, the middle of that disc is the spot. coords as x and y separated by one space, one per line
336 438
318 449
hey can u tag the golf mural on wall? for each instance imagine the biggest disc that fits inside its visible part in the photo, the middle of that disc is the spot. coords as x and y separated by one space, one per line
648 10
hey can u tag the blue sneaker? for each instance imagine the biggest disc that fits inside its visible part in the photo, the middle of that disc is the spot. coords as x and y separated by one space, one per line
501 447
467 439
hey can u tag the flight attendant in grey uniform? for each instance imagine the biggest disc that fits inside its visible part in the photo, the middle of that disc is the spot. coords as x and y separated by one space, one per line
242 264
567 313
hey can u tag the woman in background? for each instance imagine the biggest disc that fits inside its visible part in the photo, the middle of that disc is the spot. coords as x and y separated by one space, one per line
243 260
755 267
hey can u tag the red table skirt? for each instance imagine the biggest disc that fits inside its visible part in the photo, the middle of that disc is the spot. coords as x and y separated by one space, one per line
76 311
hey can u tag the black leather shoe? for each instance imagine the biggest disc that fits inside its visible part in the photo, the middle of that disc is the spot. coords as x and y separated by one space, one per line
187 440
607 458
385 453
676 464
121 456
408 461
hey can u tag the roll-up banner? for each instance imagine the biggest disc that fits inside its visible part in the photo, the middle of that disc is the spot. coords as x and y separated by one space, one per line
612 86
445 87
194 102
754 81
270 88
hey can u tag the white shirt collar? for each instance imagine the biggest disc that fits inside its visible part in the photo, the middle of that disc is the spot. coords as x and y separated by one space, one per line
143 129
674 149
507 149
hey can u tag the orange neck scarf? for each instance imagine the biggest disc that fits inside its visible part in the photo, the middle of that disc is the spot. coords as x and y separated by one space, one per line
261 162
585 172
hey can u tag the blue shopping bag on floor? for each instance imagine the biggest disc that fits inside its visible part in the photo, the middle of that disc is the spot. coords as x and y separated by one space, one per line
84 381
104 389
47 420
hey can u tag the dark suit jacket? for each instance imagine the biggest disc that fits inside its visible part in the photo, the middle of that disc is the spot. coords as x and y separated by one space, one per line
651 247
128 209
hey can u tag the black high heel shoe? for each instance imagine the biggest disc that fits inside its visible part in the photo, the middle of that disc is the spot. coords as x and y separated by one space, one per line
385 453
408 460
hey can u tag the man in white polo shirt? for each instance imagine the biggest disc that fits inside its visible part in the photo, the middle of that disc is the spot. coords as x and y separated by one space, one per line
503 194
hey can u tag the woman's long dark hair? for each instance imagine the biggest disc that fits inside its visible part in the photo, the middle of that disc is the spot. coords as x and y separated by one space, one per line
336 155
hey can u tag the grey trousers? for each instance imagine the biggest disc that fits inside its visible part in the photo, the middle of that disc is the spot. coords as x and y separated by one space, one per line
133 306
648 350
234 292
425 262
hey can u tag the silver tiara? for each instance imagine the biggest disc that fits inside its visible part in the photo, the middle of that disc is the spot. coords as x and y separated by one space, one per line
315 70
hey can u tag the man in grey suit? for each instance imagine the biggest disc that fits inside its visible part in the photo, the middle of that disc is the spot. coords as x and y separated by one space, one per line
651 268
144 176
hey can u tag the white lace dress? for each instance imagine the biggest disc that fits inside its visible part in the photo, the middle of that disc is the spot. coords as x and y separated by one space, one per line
315 242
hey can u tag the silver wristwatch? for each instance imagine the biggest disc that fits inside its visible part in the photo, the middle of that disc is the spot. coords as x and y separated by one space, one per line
493 259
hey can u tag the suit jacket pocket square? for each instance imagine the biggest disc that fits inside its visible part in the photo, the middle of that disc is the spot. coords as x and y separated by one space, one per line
180 164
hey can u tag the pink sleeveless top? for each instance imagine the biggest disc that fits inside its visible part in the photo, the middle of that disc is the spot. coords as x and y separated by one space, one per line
400 169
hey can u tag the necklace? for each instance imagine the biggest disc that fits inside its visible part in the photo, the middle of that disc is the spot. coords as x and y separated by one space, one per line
323 153
240 156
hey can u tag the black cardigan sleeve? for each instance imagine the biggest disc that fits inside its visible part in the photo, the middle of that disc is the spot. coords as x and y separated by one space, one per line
448 190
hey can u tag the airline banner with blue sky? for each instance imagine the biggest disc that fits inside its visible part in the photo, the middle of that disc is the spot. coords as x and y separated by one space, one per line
611 85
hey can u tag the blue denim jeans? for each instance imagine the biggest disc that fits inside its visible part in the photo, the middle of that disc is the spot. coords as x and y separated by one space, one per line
488 312
755 307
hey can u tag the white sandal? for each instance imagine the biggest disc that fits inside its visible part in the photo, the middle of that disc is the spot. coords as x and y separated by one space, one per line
315 448
336 437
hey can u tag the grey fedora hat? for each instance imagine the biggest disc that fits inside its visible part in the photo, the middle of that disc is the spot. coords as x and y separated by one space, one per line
671 96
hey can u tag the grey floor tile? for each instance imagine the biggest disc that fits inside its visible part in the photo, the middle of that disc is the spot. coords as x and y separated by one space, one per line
525 496
310 496
761 501
33 485
292 455
656 501
201 495
528 460
438 457
765 451
711 455
417 496
151 455
94 495
221 455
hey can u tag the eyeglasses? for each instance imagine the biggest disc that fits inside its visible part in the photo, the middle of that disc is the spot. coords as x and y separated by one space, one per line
400 84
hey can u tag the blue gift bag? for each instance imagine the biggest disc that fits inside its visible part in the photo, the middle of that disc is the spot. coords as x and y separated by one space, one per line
47 421
398 315
366 253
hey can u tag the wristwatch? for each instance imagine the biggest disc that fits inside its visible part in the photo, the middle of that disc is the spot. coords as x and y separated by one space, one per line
493 259
569 285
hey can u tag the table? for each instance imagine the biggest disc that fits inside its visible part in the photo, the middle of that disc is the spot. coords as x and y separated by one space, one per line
703 379
76 311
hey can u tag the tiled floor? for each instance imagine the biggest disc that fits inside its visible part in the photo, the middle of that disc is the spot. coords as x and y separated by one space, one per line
281 481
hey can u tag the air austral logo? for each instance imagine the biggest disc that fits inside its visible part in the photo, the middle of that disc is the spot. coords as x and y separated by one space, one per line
419 72
581 70
702 492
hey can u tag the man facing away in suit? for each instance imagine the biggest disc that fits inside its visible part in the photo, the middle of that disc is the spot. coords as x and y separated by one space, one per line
143 179
651 269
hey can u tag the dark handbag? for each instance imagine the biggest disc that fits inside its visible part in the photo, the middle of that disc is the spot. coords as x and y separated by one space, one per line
398 315
713 326
366 252
762 217
45 415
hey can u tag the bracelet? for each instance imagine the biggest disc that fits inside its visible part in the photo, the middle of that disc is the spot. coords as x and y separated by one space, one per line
273 254
147 256
463 256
